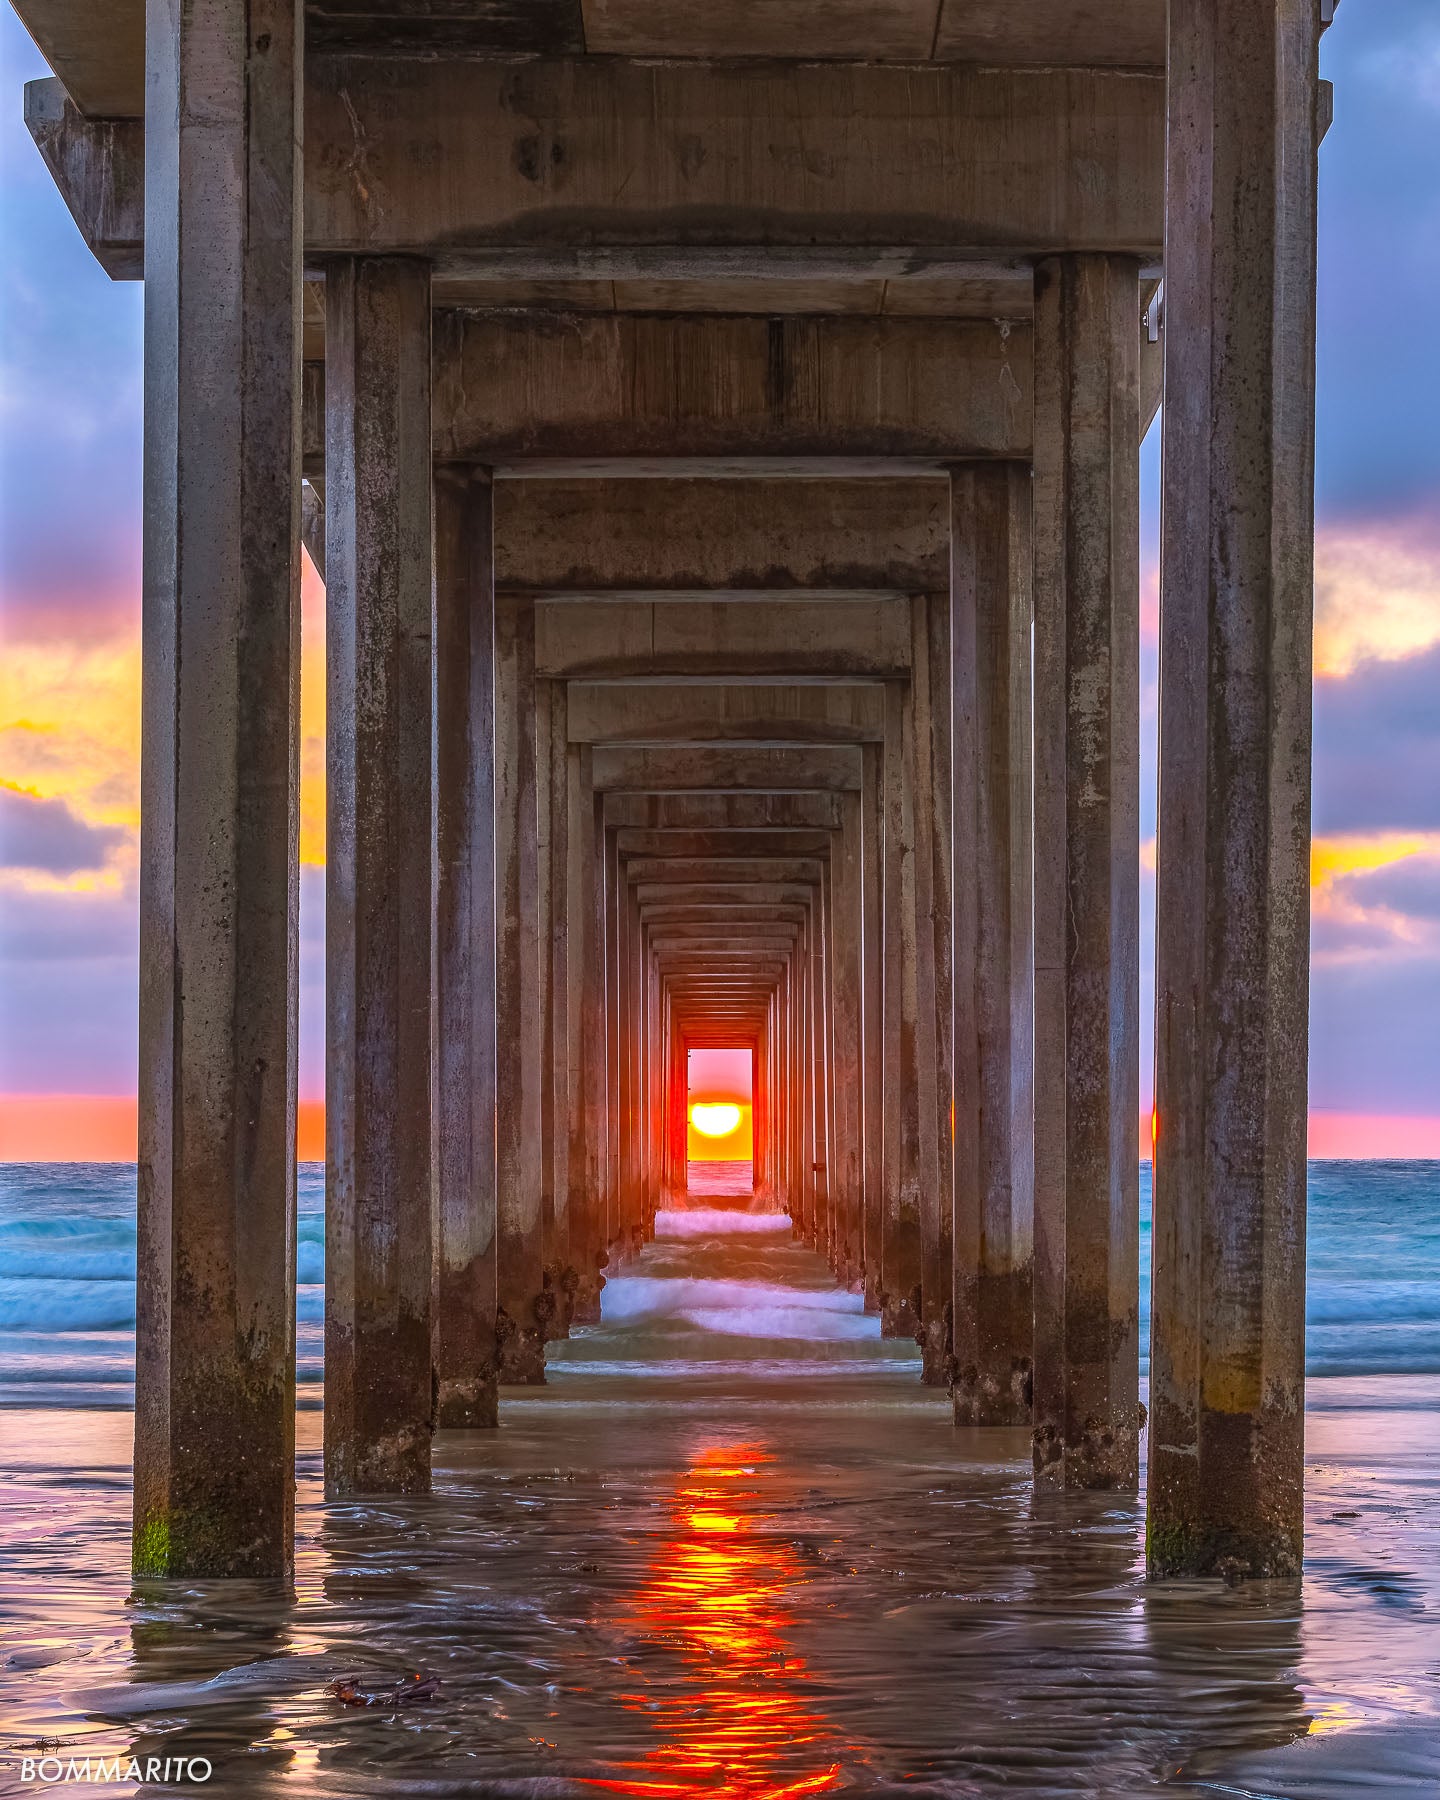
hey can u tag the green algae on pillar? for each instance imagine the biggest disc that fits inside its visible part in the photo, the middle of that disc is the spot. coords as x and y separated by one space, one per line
215 1320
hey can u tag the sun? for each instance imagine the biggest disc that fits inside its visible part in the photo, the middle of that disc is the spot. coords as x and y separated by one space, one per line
714 1118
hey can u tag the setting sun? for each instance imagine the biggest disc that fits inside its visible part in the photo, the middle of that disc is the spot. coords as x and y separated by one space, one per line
714 1118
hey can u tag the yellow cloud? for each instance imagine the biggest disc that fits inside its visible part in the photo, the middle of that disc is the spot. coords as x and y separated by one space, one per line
1358 853
1344 906
70 729
70 726
1377 598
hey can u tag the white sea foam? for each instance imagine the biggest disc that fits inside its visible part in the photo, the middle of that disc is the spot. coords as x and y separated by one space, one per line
715 1221
647 1296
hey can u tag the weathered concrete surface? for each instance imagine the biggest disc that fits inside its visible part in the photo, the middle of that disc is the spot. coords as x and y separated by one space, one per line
901 1227
525 1305
464 999
872 1024
993 991
600 537
1226 1441
1087 842
379 718
825 769
511 386
589 1123
932 778
215 1333
756 715
847 1047
593 167
98 46
866 639
560 1013
463 156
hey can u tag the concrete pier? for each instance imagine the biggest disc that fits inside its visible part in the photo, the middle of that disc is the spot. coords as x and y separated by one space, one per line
1232 868
994 966
748 459
525 1304
1087 872
215 1324
464 996
379 1161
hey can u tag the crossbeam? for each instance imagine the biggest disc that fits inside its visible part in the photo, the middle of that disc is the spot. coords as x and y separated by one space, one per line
561 168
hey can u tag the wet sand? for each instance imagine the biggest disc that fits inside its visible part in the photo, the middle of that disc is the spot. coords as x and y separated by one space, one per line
714 1556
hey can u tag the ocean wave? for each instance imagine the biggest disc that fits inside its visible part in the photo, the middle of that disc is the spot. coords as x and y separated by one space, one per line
66 1305
644 1296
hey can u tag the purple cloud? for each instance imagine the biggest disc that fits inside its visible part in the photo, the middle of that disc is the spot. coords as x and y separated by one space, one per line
1377 748
46 836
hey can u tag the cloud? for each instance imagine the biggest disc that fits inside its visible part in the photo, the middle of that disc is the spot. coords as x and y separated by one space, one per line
46 836
1377 594
1377 747
1375 898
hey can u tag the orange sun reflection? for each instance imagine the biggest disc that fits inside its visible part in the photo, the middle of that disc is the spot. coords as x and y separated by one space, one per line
735 1723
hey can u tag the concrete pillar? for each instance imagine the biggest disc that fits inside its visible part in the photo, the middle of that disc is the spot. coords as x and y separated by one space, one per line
615 1240
994 980
586 976
465 1292
872 1041
379 854
215 1326
902 1241
524 1305
559 1276
930 779
1086 568
849 1177
1226 1440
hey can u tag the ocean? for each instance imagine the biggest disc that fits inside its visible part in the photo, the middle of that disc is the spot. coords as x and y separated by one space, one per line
731 1548
67 1274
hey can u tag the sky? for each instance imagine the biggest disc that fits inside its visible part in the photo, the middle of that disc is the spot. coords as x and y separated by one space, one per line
70 422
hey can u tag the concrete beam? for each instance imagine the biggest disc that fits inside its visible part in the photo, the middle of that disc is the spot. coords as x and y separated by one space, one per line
691 869
531 390
585 167
705 640
760 716
722 812
723 843
596 536
515 387
831 769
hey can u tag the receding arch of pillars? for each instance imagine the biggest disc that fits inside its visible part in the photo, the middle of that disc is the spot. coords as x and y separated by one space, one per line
741 670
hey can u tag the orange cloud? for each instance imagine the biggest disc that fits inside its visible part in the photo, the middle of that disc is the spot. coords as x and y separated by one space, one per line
70 730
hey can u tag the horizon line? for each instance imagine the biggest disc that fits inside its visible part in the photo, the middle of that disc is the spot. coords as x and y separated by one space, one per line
99 1128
